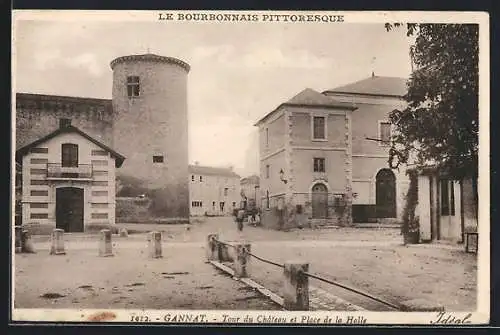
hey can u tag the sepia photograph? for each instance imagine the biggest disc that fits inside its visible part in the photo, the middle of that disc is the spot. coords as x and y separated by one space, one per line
250 167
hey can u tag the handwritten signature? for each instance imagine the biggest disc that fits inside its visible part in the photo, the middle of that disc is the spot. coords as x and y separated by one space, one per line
444 318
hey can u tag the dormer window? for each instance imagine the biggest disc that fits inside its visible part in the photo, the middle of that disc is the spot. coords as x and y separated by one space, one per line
133 86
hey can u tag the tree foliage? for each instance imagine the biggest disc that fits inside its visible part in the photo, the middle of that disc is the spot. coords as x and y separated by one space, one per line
440 123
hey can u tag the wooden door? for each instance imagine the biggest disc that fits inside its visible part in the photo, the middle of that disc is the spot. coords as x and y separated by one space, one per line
319 201
69 209
386 194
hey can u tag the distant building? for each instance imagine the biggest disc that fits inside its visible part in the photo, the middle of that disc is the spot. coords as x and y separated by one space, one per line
250 188
324 156
213 190
68 180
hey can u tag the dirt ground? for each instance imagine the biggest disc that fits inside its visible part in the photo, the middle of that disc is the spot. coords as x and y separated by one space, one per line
82 279
373 260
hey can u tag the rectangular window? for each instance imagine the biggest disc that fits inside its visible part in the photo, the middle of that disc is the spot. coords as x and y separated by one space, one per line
39 205
201 178
447 198
99 163
100 183
267 171
38 171
225 191
99 193
192 178
39 150
99 153
319 125
385 133
234 203
157 159
100 173
39 216
69 155
38 182
39 161
213 204
63 123
196 204
133 86
99 215
99 205
39 193
268 205
267 137
319 164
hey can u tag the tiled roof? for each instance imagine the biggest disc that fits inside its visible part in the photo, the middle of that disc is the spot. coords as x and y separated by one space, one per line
314 98
69 129
309 97
375 85
212 171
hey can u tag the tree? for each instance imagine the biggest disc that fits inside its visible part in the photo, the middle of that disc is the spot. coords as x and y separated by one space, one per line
439 126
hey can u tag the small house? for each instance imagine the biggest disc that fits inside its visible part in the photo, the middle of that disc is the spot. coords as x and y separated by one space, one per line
68 180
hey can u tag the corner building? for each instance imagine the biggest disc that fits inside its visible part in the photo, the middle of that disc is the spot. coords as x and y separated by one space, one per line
149 100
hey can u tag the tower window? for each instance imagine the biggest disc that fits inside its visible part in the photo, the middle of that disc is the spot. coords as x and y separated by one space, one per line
192 177
133 86
63 123
157 159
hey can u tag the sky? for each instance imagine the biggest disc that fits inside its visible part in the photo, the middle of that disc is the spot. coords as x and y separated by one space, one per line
239 71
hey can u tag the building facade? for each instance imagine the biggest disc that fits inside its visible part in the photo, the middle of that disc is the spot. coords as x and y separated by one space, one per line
378 191
68 181
213 191
324 156
146 120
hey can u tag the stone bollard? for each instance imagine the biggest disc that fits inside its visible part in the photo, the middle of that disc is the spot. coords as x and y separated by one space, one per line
154 242
242 261
212 250
105 246
57 245
18 236
296 287
123 232
26 242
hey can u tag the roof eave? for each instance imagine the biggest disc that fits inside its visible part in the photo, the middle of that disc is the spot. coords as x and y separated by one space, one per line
366 94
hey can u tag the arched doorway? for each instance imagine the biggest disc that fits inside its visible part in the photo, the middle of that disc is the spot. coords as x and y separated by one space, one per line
69 209
386 194
319 201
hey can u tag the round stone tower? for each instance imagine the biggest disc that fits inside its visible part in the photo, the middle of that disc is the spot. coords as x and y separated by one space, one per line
151 129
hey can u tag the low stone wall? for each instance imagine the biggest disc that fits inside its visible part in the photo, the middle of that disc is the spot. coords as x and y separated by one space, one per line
138 210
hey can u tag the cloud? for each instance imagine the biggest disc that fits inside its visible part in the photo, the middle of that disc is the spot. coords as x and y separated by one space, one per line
87 61
54 59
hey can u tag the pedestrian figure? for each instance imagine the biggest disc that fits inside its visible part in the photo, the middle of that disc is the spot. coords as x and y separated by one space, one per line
240 216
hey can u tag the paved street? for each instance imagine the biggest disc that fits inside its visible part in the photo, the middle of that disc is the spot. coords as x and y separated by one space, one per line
373 260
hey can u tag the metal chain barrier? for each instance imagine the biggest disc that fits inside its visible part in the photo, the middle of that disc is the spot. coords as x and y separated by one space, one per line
352 290
328 281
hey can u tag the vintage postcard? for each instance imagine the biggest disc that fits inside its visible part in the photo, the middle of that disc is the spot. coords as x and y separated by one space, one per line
250 167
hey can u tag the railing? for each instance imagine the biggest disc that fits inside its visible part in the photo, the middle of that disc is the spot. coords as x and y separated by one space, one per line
56 170
221 255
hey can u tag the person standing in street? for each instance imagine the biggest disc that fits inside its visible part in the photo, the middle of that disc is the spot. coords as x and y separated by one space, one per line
240 216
